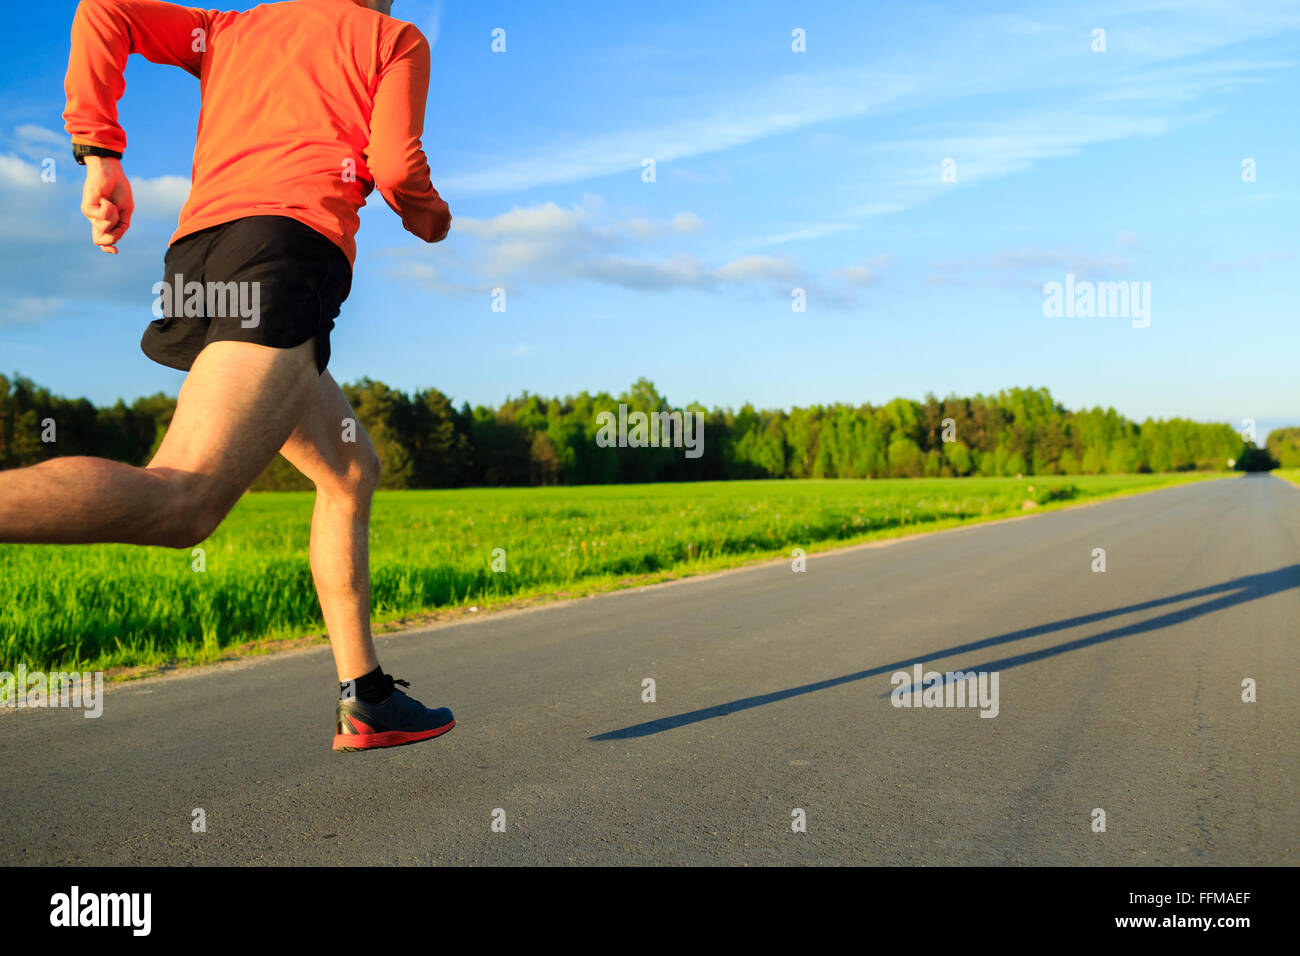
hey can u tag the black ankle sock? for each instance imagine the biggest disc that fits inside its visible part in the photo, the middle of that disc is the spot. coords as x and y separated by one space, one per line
373 688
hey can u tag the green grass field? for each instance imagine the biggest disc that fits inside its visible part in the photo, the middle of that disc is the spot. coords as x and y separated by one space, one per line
113 606
1288 474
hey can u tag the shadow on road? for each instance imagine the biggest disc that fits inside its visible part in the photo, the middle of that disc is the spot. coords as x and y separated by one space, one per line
1231 593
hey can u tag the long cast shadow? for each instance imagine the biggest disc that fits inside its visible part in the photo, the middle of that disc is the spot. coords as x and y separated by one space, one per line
1238 591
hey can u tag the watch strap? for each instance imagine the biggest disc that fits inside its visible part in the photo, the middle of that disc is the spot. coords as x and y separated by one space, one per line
81 150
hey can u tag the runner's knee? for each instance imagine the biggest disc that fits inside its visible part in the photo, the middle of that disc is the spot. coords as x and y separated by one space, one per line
194 527
196 506
356 480
363 477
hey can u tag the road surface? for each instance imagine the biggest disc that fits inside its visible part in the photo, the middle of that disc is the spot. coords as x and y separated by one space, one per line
1119 691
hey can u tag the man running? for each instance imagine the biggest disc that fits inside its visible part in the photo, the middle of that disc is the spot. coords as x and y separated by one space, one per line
306 107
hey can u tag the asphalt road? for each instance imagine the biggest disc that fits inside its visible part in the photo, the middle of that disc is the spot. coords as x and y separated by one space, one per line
1119 690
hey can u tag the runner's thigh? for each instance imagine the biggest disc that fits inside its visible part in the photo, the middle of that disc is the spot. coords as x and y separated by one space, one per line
238 406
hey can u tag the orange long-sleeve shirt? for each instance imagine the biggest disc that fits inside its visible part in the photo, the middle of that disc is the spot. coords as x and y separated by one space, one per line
306 107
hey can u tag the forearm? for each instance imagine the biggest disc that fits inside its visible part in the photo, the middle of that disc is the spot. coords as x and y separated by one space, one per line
423 211
396 157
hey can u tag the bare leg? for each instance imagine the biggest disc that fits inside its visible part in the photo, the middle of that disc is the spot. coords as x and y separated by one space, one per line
238 405
345 474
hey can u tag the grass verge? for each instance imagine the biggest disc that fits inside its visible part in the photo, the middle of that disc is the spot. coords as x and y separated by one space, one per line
441 555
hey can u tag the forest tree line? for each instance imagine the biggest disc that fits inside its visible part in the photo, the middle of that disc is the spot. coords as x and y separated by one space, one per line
425 441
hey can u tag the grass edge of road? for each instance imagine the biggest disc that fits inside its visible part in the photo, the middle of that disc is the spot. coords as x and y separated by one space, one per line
408 623
1288 474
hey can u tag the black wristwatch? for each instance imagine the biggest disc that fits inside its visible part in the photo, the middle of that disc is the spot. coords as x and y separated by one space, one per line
80 151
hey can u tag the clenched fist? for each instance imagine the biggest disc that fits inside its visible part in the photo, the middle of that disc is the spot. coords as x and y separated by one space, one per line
106 201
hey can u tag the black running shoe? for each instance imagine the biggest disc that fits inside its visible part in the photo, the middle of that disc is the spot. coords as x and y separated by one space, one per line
397 721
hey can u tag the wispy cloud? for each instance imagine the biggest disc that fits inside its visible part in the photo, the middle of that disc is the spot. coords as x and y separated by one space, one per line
1255 263
23 346
786 104
1026 268
25 310
807 232
908 172
433 23
1160 57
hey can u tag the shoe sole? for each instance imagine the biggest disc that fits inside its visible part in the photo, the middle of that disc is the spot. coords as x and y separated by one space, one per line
349 743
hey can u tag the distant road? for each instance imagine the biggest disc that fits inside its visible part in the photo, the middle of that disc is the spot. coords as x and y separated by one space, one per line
1118 691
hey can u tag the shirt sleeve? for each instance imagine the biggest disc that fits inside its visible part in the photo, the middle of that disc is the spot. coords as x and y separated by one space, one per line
104 34
394 155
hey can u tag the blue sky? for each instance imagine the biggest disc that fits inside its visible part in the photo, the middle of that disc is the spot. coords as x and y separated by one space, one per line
774 170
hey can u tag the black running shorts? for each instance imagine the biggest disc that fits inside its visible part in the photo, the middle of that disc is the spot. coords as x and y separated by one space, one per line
270 280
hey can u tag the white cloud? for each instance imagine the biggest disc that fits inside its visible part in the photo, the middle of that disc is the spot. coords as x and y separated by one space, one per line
865 273
406 269
32 133
679 271
758 267
547 244
160 197
35 211
424 275
547 220
52 270
18 172
548 240
550 243
688 222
